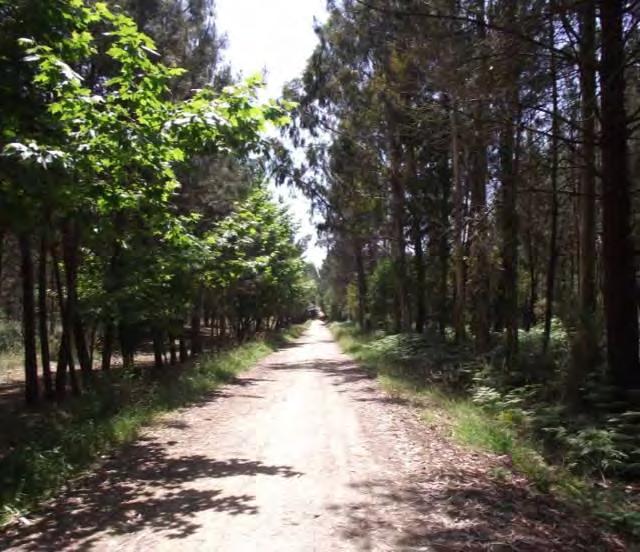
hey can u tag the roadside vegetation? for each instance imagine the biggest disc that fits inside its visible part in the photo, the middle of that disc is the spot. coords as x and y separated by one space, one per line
578 459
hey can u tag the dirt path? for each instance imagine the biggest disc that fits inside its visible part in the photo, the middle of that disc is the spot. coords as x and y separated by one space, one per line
302 453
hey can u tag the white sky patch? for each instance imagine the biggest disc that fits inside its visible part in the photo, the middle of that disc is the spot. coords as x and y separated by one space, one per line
275 37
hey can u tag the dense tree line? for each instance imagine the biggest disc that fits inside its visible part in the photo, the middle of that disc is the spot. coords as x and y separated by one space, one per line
131 209
476 164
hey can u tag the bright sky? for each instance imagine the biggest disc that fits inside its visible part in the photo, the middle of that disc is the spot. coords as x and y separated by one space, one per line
275 36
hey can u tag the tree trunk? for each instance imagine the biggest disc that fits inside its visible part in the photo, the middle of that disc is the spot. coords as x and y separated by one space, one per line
509 228
362 286
28 320
107 345
458 231
417 238
585 346
65 351
401 318
182 345
45 355
479 271
158 349
70 257
196 337
618 251
553 239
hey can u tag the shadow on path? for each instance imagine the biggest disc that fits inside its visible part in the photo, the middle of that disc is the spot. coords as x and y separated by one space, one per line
143 488
461 510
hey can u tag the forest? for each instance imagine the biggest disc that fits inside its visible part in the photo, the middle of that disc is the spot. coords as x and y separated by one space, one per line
474 168
132 193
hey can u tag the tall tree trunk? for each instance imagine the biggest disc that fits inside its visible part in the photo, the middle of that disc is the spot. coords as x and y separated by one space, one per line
362 285
28 319
479 271
458 230
444 250
479 251
618 253
158 349
509 228
107 345
585 349
418 250
417 238
399 245
65 351
196 316
553 240
70 256
45 356
182 349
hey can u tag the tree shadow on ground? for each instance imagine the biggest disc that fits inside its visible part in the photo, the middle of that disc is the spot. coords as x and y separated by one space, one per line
342 372
144 487
462 510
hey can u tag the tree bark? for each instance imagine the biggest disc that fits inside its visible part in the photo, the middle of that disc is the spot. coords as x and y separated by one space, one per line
32 392
401 318
65 351
70 256
509 229
45 355
196 337
553 239
158 349
362 286
618 253
585 349
107 345
458 230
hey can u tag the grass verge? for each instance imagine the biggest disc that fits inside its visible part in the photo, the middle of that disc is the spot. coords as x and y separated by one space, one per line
47 448
451 409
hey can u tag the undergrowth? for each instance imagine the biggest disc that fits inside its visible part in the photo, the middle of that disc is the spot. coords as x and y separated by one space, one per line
574 457
45 449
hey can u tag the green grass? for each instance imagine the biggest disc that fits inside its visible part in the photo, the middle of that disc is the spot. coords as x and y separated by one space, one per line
50 446
402 365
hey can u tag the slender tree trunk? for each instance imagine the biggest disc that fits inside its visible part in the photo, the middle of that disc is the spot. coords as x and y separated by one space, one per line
28 319
70 256
444 250
107 345
509 227
417 239
362 286
196 337
421 308
479 272
45 355
618 252
65 351
158 349
401 317
553 240
182 345
458 232
585 349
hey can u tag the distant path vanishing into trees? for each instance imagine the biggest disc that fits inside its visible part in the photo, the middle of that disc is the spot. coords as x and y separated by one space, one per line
304 452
